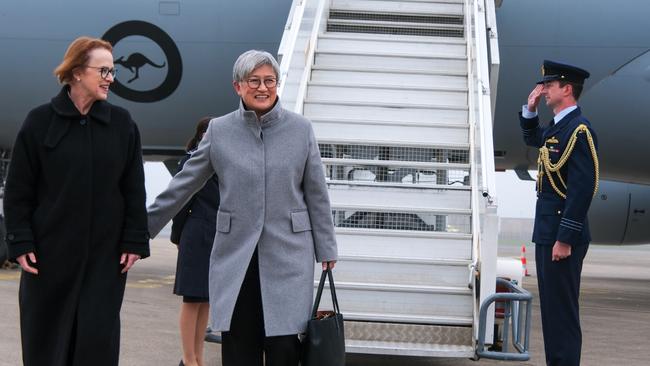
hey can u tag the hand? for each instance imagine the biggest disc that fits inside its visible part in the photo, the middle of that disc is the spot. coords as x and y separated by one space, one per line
128 260
330 263
22 260
534 97
560 251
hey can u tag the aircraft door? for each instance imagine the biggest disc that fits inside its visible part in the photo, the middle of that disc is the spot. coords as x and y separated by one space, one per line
638 220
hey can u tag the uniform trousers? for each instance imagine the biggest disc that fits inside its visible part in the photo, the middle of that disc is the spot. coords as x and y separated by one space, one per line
559 292
246 344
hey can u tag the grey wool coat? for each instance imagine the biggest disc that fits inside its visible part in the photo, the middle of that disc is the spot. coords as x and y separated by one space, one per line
273 197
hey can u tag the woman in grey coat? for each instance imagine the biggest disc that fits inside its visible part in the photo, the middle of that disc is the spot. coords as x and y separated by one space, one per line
274 218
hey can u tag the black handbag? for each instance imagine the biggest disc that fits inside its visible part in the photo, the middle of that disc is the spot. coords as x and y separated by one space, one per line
324 343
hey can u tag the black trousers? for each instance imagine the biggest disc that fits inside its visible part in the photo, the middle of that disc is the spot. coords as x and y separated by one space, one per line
246 344
559 292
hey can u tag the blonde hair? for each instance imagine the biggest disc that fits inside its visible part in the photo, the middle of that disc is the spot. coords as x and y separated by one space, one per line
77 55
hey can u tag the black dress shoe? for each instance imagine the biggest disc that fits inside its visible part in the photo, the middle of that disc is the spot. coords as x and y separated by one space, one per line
213 338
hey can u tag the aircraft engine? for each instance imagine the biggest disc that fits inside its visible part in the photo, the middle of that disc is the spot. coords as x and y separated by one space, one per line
620 214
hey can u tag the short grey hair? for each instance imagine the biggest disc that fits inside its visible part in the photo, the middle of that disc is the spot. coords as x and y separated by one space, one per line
248 61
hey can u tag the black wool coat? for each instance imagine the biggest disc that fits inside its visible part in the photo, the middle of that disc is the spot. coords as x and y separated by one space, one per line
75 197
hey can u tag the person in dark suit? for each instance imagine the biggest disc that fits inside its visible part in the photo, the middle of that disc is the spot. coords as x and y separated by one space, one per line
566 182
193 229
75 214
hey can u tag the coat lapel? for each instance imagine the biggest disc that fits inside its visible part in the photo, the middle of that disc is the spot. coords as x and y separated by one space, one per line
555 129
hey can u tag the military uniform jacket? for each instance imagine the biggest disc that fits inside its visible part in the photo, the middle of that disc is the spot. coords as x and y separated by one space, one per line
273 198
556 218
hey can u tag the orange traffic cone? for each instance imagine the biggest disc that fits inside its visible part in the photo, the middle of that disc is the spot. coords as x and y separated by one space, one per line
523 260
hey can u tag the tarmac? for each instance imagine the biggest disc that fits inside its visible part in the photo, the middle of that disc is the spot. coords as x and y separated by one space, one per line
615 312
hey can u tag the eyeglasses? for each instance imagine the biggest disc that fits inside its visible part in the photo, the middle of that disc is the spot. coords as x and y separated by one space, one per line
256 83
104 71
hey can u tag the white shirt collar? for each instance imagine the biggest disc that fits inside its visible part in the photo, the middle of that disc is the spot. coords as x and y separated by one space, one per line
558 117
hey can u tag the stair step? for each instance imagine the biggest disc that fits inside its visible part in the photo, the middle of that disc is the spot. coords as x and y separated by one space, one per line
391 38
409 349
399 198
336 130
374 121
397 18
380 78
383 208
422 244
410 29
403 96
402 301
396 46
444 321
406 272
319 109
391 60
394 105
390 243
400 7
408 333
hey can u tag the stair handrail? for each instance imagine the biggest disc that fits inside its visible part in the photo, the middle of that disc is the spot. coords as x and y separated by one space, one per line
482 176
289 39
320 21
306 20
474 201
488 181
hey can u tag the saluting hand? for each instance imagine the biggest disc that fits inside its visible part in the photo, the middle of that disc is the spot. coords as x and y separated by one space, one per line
560 251
22 260
534 97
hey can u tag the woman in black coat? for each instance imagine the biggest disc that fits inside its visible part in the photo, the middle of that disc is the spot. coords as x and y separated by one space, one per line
75 214
193 229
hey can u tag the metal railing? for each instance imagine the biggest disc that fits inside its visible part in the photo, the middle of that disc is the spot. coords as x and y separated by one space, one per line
306 21
517 308
289 40
484 220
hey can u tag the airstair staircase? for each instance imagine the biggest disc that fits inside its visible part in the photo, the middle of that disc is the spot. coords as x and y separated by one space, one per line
399 99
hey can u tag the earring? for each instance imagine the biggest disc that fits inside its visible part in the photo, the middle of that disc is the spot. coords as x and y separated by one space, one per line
78 79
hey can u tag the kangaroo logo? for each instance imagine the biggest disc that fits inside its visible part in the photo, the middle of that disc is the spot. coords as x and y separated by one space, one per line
135 61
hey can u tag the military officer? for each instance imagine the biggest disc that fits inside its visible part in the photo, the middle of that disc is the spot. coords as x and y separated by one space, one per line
566 182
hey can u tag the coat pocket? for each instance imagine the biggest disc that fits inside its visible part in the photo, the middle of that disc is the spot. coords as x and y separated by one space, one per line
300 221
223 221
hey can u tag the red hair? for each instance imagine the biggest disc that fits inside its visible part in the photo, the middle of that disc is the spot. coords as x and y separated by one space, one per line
77 55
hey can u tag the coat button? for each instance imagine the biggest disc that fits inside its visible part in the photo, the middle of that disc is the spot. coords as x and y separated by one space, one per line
82 122
559 212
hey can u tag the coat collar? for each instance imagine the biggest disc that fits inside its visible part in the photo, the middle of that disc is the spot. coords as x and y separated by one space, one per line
63 105
269 119
564 121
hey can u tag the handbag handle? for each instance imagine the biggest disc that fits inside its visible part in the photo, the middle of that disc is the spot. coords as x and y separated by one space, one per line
327 273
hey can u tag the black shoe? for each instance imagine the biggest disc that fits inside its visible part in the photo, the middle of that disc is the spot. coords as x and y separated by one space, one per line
181 364
212 338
